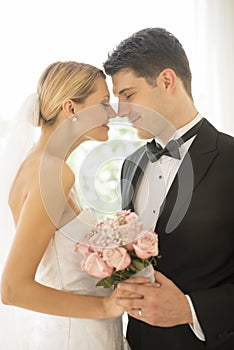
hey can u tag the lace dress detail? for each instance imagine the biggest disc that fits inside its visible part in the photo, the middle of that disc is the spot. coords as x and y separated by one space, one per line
60 269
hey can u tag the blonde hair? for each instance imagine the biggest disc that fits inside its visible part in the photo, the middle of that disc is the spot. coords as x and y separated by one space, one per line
65 80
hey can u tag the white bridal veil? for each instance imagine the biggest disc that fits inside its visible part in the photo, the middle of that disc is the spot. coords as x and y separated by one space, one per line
19 140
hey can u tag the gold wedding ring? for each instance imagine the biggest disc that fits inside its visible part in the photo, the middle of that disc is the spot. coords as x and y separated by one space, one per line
140 313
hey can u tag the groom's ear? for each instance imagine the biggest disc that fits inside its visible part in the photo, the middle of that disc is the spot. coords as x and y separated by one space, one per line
167 80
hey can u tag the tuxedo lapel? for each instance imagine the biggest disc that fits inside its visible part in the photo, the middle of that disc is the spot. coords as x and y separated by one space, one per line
131 177
193 167
203 151
139 169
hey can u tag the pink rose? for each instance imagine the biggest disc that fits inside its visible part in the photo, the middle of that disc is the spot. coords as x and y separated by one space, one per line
94 265
129 246
117 257
147 245
82 249
123 213
131 217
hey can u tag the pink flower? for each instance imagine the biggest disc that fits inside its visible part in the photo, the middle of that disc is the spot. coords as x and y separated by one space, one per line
130 232
131 217
116 248
117 257
147 245
123 213
99 240
129 246
82 249
94 265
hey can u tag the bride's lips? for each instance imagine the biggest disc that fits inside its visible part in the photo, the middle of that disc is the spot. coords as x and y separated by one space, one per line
106 126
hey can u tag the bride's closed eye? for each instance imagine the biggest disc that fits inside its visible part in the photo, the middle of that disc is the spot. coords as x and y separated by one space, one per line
109 109
105 105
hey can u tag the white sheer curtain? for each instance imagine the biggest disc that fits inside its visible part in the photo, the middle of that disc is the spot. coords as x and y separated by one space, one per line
14 322
214 42
213 74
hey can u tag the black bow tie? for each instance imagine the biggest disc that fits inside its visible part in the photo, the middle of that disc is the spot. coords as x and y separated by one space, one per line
154 151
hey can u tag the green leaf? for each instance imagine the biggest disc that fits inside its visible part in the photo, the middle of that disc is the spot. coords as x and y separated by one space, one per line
139 265
105 282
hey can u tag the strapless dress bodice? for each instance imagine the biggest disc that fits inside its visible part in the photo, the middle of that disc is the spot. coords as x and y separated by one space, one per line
60 268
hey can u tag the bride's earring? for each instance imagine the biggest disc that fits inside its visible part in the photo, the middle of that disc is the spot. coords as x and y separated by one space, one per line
74 119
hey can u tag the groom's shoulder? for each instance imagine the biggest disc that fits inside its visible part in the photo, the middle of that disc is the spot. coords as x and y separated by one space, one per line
131 162
134 156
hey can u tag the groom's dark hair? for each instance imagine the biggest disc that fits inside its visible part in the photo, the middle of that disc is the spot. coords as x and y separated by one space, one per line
149 51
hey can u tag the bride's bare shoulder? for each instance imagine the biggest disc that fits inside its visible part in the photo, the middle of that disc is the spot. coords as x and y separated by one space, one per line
55 173
55 168
37 171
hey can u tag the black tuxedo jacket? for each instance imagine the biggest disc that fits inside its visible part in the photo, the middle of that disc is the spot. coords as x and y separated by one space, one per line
196 241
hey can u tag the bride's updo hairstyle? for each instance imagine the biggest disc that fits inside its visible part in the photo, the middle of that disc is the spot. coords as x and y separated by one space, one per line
61 81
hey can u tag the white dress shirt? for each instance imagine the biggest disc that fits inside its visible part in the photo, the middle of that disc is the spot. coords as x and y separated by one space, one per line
157 179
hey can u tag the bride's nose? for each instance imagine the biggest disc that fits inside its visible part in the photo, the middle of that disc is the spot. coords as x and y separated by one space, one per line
110 112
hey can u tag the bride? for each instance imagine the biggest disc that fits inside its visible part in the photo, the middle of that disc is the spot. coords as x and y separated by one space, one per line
42 272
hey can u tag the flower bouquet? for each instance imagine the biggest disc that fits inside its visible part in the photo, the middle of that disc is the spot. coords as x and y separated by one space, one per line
118 248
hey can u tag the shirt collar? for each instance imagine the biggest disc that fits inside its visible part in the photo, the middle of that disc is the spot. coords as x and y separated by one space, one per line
187 127
181 131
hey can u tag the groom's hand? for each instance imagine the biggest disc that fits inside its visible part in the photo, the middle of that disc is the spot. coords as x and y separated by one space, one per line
112 307
162 304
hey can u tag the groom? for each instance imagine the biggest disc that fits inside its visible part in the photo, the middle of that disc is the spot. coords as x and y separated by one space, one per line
184 192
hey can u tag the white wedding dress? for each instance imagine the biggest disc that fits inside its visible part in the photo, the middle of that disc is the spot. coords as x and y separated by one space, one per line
60 269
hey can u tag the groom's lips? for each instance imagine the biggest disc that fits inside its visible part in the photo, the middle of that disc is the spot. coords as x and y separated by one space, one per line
133 121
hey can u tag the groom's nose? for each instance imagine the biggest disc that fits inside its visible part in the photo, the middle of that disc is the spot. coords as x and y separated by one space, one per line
124 109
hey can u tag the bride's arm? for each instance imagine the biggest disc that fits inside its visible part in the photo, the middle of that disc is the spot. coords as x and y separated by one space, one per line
18 286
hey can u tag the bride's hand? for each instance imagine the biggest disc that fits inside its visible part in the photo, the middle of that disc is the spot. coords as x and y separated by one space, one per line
110 305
